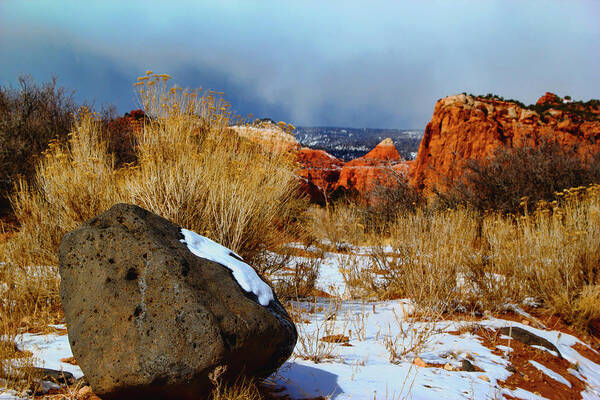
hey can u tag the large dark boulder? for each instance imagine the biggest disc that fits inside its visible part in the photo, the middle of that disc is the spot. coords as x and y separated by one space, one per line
149 319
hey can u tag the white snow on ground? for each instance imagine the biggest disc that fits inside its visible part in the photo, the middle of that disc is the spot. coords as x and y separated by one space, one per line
244 274
366 369
332 269
586 369
550 373
49 350
9 395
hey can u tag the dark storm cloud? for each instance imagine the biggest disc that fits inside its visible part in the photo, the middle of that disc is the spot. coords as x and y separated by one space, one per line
344 63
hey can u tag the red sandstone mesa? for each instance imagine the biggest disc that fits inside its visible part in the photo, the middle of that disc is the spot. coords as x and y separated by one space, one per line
462 127
465 127
319 172
378 167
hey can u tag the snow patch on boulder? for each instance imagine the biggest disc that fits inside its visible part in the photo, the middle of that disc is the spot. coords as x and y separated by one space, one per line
244 274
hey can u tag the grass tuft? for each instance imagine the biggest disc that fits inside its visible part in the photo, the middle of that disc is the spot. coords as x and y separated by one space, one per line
191 168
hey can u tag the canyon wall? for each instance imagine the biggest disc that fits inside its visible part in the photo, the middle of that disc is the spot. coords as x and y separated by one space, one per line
462 127
326 175
465 127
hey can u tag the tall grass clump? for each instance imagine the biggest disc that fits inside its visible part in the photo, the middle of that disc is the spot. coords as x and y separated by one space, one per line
461 260
191 168
424 256
337 226
194 170
553 253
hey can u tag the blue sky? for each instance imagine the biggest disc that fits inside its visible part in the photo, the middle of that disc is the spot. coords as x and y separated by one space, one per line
336 63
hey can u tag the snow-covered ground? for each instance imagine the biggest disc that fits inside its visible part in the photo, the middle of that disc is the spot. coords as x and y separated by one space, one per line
385 354
366 370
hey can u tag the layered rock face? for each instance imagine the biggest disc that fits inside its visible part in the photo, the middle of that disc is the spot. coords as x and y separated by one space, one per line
151 316
465 127
322 174
378 167
270 136
319 173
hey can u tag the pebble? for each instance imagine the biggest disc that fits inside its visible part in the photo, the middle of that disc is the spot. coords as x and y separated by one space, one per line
418 361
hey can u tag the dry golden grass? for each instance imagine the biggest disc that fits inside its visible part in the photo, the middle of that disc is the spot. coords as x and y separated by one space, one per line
553 254
339 225
311 345
15 367
192 169
298 281
460 260
423 257
16 371
242 389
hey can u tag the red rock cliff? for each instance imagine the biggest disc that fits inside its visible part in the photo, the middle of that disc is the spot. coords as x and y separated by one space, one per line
465 127
374 168
321 173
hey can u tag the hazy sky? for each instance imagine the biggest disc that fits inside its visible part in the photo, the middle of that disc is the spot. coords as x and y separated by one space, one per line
348 63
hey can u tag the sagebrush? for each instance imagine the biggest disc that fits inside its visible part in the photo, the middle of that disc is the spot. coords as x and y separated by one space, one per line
191 168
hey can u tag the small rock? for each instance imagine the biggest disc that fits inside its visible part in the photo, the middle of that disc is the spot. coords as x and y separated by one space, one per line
86 393
466 365
52 375
525 322
45 387
69 360
448 367
418 361
335 339
484 378
528 338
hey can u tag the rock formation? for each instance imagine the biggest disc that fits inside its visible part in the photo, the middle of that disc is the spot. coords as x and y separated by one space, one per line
319 172
269 135
378 167
549 98
151 316
322 174
465 127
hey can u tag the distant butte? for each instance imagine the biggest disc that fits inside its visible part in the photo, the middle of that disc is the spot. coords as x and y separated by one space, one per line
466 127
462 127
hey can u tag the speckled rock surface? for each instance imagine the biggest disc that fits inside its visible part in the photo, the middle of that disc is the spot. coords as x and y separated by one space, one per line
147 318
